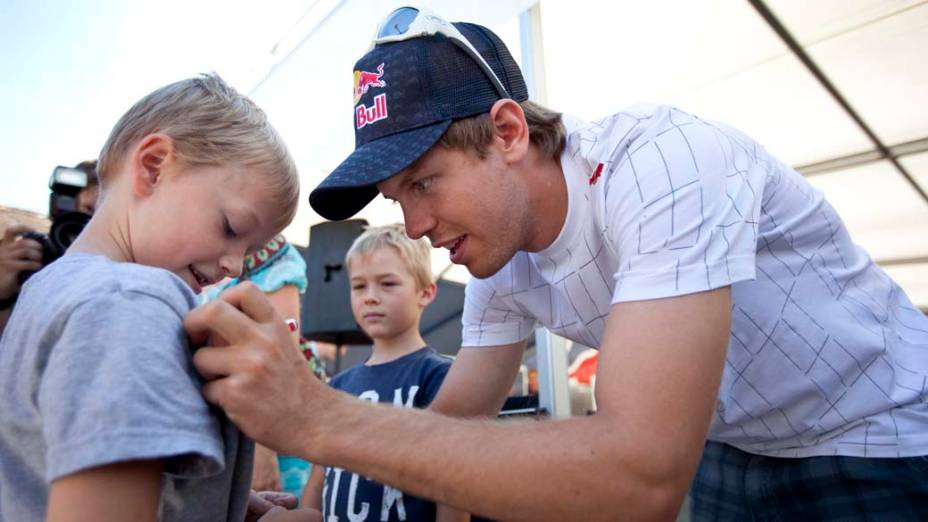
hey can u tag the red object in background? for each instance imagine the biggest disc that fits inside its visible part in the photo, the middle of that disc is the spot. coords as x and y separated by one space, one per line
584 367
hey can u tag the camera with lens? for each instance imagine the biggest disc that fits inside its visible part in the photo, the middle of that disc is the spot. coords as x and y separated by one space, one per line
68 221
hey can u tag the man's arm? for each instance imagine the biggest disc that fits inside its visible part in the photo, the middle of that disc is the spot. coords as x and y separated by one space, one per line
124 491
478 381
476 385
658 379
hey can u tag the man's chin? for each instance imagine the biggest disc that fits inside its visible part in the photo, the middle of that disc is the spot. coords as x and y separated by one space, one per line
483 270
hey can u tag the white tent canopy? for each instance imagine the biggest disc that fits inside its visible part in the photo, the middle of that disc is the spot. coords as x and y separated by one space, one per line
720 59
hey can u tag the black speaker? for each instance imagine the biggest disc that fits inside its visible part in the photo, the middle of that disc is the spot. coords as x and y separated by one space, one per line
326 314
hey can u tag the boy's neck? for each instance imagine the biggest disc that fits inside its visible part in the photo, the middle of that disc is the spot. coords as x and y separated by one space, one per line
105 235
387 349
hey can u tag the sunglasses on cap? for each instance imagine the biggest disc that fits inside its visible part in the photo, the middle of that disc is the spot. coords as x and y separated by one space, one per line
410 22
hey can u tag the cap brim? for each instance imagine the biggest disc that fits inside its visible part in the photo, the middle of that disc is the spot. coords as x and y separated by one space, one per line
350 187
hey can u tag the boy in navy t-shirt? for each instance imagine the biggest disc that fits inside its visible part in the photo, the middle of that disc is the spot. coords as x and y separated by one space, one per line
391 284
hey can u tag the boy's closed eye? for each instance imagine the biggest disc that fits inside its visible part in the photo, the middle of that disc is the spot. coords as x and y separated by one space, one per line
228 229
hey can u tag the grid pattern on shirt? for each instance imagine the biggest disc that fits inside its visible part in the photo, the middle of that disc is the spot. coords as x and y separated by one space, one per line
826 355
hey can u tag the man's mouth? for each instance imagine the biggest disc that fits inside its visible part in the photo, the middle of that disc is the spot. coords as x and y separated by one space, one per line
455 248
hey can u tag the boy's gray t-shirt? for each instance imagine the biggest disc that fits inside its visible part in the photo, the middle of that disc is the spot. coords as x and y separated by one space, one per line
95 369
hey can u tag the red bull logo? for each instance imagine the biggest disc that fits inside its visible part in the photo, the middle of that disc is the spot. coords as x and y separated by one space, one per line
366 115
364 80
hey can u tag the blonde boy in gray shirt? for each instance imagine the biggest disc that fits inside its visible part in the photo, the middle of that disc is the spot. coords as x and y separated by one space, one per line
101 416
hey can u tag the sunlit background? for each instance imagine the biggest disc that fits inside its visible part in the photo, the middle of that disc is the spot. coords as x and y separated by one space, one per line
69 69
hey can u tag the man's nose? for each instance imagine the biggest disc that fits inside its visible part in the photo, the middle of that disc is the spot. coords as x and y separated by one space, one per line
418 222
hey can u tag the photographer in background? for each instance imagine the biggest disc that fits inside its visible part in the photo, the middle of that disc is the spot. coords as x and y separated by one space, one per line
86 199
23 251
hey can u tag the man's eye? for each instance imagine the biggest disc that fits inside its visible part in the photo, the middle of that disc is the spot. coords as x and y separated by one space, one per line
357 287
422 185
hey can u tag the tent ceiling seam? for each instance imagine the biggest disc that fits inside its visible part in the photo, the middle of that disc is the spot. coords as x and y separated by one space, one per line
857 159
819 75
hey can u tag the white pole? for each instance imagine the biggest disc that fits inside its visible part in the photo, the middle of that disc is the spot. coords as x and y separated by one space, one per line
553 388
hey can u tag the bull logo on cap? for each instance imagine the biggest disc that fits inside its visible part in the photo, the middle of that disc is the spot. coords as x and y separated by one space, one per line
364 80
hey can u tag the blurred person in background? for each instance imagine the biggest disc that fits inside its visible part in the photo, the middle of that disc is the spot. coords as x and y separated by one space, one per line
21 246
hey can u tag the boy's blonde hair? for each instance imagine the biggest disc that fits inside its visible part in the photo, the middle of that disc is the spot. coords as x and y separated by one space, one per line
416 254
211 125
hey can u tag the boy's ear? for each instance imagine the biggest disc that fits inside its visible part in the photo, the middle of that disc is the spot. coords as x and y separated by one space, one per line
511 134
427 295
148 161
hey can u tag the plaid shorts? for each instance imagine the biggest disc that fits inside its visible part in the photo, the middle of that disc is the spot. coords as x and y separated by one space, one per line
734 485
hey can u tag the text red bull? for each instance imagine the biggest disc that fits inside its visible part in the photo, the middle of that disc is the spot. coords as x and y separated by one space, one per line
366 115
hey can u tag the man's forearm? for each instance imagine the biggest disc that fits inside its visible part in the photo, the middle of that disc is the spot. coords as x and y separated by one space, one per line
512 470
633 459
445 513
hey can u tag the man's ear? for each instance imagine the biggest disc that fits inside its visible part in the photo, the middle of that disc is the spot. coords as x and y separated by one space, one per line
511 134
148 161
427 295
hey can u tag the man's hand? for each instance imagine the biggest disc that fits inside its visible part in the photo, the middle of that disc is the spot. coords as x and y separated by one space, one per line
270 506
17 255
256 372
260 503
279 514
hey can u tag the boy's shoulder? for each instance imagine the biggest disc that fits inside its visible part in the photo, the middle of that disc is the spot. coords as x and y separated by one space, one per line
433 357
422 362
412 380
79 278
434 365
348 375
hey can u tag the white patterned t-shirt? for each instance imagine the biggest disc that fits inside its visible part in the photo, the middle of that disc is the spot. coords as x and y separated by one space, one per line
827 355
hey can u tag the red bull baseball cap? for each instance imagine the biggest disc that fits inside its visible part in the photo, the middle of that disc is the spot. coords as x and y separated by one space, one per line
409 87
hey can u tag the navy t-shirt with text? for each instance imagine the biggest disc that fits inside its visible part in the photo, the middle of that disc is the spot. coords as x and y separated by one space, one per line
411 381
